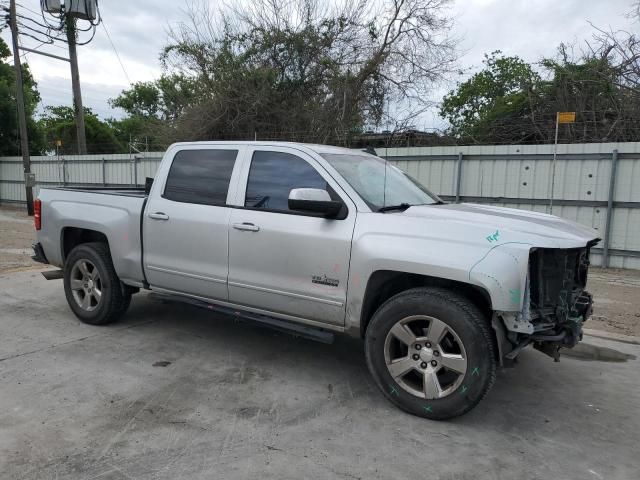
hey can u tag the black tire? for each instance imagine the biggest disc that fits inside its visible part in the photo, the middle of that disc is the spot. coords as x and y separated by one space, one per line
470 326
114 299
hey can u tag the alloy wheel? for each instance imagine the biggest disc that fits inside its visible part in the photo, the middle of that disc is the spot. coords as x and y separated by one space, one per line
86 285
425 356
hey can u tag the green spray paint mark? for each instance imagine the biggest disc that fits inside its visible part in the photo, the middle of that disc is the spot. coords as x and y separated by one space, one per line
515 296
428 409
393 390
464 389
494 237
476 371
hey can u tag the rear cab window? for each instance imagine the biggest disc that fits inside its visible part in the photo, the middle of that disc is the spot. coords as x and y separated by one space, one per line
200 176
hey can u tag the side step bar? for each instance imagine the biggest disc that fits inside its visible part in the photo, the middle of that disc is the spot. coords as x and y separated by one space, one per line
53 274
295 329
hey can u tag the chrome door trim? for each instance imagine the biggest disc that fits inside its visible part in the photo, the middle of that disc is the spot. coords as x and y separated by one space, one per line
185 274
287 294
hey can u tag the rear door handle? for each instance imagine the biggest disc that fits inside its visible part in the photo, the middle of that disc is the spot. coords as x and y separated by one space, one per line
159 216
249 227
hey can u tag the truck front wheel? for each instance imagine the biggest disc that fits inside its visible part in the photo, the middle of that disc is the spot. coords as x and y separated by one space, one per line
431 353
93 290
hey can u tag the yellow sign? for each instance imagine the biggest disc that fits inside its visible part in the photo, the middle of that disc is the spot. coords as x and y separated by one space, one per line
566 117
58 143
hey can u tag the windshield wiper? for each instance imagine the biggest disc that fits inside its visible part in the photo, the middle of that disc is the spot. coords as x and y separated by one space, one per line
401 206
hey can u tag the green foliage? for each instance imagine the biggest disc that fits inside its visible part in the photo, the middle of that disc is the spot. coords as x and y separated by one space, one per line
165 98
58 123
508 102
152 108
498 93
141 132
142 99
9 129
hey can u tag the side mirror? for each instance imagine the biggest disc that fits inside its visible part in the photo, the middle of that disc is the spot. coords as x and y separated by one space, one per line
314 200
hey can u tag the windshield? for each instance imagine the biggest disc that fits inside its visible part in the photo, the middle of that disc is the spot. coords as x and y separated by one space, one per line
368 174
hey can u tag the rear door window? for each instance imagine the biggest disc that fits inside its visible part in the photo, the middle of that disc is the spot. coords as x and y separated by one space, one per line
200 176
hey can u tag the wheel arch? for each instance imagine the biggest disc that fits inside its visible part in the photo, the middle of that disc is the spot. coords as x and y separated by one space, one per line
71 237
384 284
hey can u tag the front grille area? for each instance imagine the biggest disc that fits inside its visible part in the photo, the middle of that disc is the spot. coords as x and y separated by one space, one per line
557 279
558 303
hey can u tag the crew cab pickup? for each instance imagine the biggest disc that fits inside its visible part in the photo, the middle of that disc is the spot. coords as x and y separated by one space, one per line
336 240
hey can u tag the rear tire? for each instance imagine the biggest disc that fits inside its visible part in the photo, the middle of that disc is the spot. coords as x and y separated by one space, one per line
431 353
93 290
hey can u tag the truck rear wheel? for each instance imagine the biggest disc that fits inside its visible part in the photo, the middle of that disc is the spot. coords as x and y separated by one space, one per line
93 290
431 353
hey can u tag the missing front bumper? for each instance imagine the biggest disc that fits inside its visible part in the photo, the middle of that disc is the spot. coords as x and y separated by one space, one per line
566 333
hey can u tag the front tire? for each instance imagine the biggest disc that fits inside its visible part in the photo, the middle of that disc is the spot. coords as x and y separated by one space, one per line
93 290
431 353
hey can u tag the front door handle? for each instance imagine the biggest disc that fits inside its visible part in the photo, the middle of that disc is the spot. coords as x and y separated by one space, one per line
249 227
159 216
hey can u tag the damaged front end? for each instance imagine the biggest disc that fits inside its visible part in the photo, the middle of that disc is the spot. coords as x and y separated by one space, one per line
555 306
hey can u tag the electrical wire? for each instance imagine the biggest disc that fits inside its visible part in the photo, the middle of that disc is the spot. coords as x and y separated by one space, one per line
26 8
93 34
104 25
35 38
32 20
40 45
35 30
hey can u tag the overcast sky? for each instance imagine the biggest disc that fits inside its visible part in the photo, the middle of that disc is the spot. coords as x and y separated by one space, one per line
530 29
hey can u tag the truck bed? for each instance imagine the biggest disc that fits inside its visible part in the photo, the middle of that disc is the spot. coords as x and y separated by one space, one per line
113 212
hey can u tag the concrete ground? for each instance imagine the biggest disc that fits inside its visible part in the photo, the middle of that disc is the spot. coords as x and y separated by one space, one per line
173 391
16 236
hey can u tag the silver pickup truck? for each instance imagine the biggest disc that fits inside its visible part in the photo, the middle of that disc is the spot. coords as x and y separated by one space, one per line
336 240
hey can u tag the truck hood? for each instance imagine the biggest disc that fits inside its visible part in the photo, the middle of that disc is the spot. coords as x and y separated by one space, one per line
526 223
479 244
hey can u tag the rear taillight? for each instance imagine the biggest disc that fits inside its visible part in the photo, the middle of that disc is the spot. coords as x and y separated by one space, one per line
37 213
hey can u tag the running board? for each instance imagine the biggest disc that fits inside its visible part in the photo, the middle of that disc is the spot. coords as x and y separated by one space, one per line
291 328
53 274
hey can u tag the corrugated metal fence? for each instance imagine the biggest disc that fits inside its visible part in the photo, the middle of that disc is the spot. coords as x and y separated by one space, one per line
105 170
594 183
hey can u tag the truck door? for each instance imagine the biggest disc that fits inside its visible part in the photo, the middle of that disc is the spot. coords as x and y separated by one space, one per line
185 227
281 260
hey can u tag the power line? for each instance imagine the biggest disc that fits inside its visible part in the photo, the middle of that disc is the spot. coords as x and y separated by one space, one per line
104 25
27 8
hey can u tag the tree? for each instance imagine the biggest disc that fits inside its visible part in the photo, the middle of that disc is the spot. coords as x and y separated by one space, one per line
605 96
494 102
9 131
153 108
300 69
58 123
509 102
139 133
142 99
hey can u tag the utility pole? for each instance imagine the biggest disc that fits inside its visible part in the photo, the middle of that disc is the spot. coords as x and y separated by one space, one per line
22 119
75 83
